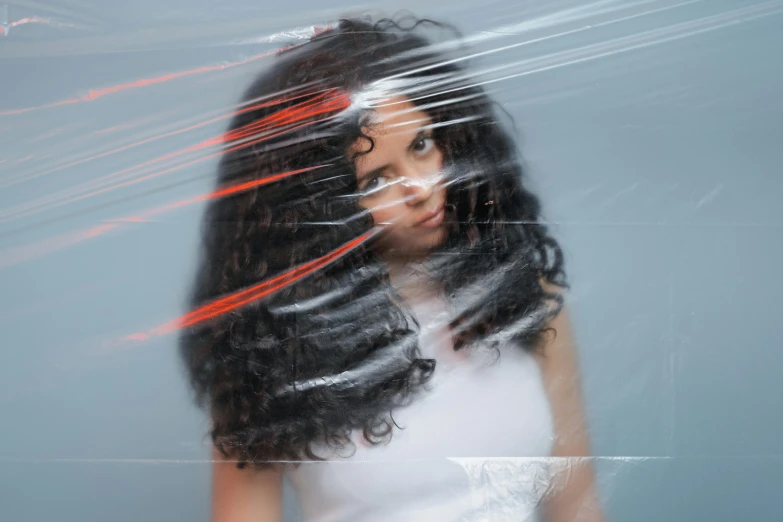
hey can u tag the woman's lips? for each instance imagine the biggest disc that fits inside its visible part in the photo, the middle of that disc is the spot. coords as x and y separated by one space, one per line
432 219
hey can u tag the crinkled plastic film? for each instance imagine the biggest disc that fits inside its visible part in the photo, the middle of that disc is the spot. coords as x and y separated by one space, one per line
442 261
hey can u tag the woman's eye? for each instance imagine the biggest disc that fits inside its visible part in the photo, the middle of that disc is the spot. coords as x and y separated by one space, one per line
424 145
374 185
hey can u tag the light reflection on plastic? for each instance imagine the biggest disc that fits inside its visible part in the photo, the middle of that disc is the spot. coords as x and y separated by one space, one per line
50 245
330 101
93 94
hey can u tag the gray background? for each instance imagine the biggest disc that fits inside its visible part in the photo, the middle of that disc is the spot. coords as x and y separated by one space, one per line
651 129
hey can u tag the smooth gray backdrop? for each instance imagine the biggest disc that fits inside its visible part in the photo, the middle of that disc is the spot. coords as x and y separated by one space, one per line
651 129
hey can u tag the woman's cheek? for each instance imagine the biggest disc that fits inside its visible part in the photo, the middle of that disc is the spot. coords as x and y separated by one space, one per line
383 215
386 209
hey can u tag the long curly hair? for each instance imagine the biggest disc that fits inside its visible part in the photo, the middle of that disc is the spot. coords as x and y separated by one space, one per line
325 347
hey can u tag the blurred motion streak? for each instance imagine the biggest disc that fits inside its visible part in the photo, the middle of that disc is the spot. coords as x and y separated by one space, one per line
254 293
27 252
93 94
330 101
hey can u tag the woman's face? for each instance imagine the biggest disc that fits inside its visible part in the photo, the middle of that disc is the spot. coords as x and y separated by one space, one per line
401 181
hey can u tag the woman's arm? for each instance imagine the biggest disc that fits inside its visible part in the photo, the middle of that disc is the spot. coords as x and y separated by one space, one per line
245 495
573 496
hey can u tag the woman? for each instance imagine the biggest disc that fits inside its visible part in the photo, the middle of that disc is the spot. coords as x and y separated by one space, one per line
379 313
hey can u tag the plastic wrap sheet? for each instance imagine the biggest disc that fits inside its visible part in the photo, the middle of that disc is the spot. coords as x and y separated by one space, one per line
485 261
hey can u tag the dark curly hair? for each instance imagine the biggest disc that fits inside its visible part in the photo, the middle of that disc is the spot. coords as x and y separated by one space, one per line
329 348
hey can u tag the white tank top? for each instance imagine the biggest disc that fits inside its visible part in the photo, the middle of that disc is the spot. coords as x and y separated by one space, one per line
474 446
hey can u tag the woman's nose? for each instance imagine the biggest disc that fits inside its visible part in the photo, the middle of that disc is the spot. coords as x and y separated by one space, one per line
419 186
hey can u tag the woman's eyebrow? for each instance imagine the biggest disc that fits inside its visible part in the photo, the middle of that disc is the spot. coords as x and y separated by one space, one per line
372 172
